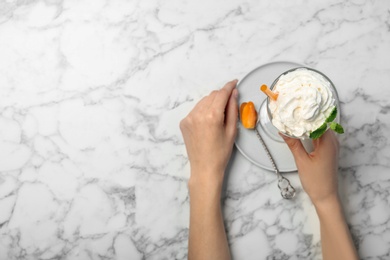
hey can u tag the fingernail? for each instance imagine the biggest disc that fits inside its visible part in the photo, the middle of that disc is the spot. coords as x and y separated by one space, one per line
234 80
235 93
283 136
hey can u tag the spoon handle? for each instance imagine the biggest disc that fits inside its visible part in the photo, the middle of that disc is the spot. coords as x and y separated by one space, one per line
267 152
286 189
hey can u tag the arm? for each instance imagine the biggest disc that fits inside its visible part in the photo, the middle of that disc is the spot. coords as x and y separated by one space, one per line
318 174
209 132
335 237
207 237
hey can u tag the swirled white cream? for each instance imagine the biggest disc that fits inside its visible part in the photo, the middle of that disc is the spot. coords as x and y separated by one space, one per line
305 100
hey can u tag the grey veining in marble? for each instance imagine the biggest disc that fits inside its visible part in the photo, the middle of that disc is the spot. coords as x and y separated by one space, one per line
92 162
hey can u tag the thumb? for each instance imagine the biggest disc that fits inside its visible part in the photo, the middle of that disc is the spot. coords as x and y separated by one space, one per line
296 148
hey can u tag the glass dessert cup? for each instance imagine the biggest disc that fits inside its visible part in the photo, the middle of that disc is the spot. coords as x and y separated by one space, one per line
265 116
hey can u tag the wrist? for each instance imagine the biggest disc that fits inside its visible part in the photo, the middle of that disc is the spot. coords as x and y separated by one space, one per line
205 185
210 177
330 204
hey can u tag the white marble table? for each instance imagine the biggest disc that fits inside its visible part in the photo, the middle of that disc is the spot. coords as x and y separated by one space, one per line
92 162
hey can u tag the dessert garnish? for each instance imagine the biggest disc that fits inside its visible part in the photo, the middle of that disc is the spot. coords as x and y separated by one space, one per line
328 122
248 115
272 95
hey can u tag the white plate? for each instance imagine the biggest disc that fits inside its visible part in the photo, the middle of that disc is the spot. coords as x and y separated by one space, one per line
246 141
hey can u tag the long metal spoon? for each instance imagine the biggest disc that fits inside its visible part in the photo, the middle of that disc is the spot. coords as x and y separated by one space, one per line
286 190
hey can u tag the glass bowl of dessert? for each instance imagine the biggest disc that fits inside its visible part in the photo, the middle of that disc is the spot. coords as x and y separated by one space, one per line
302 103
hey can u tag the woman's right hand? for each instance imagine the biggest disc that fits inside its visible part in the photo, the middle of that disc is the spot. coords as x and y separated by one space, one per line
318 169
318 173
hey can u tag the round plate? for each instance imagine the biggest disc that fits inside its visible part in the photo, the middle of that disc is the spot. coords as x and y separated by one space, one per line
246 141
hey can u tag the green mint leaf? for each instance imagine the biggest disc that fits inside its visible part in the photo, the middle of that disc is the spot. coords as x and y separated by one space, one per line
318 132
337 128
332 115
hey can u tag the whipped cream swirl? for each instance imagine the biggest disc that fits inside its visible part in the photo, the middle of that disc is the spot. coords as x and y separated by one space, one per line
305 101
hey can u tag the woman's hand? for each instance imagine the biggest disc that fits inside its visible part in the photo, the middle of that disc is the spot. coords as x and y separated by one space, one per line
209 131
318 173
318 169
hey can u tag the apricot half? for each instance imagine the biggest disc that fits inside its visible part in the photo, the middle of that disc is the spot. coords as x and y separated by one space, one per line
248 115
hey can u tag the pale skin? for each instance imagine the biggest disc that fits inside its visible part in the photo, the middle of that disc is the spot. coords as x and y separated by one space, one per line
318 174
209 131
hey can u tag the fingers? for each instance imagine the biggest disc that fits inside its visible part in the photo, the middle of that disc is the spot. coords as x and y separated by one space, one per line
318 141
223 95
231 116
217 98
296 148
205 103
215 105
328 138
